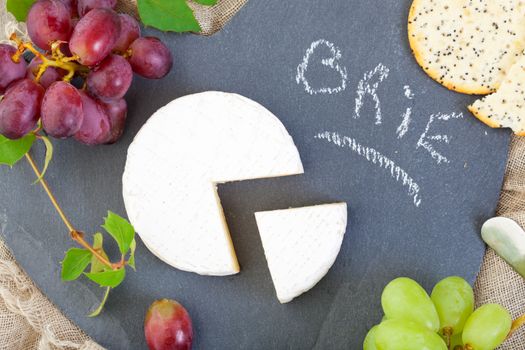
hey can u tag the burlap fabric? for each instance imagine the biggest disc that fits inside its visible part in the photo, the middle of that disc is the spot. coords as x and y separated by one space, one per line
497 282
28 320
211 18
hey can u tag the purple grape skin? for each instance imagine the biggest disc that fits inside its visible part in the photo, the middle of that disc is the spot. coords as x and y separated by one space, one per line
9 70
72 7
111 79
51 74
62 112
47 21
150 58
20 108
117 111
84 6
95 129
129 32
94 36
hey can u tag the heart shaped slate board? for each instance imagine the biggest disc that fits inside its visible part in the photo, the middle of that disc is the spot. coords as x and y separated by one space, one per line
416 199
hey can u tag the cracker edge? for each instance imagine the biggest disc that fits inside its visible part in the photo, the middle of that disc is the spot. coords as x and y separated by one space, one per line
434 74
483 118
490 122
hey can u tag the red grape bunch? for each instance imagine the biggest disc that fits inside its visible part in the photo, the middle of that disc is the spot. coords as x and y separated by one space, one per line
84 40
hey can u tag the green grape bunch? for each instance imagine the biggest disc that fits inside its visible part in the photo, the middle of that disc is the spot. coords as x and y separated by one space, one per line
445 320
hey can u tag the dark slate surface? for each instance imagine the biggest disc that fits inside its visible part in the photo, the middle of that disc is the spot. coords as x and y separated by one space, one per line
257 55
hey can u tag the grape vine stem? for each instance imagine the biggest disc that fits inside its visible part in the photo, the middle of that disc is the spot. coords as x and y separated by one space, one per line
517 323
76 235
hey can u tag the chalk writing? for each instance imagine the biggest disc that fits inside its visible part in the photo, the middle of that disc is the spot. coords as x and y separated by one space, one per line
403 127
368 86
376 158
408 93
331 62
424 140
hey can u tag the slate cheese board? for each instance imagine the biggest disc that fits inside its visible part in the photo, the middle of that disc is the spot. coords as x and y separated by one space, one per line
419 173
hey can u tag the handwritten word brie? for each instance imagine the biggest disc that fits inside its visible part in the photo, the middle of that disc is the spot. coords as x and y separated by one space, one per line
175 163
301 245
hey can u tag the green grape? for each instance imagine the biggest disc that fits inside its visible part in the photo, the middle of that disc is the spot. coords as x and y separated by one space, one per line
487 327
370 339
454 301
404 299
405 335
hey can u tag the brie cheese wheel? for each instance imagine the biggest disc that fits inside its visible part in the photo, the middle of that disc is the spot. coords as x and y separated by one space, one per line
174 165
301 245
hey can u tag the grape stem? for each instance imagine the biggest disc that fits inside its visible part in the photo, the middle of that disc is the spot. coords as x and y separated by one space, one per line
447 333
76 235
58 61
516 324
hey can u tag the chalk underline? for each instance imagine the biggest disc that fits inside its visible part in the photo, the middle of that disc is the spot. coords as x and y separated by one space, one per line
374 157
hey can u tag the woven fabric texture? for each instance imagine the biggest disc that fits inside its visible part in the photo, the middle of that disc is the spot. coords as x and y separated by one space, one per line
497 282
211 18
28 320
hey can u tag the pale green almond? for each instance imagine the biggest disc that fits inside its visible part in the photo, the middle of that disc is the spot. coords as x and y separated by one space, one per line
507 238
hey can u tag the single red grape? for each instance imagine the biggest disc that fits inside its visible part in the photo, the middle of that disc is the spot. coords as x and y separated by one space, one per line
72 7
47 21
150 58
62 112
9 70
95 129
50 75
111 79
94 36
168 326
84 6
116 111
129 32
20 107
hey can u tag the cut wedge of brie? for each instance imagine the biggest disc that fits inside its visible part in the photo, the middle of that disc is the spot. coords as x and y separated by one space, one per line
301 245
175 162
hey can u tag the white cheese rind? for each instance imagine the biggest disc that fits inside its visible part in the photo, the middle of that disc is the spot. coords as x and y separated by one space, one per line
175 161
301 245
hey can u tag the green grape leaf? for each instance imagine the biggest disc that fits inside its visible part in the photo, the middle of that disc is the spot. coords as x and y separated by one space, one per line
206 2
131 260
74 263
97 265
11 151
98 310
168 15
121 230
109 278
49 156
19 8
